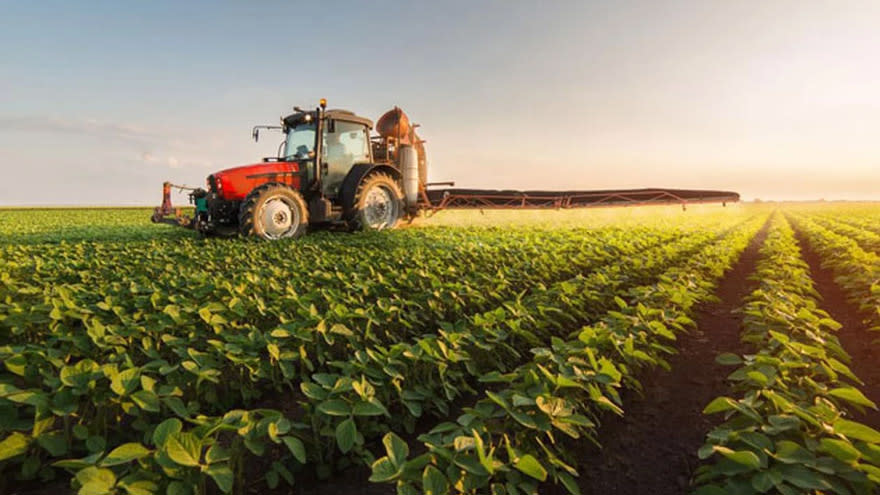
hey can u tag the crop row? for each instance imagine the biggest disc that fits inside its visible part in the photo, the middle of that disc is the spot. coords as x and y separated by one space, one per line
121 355
865 218
856 270
523 428
865 238
786 430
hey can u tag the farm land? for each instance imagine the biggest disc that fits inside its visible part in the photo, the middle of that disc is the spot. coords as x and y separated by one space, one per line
639 350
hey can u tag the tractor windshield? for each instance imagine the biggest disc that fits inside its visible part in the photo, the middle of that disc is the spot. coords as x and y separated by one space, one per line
300 142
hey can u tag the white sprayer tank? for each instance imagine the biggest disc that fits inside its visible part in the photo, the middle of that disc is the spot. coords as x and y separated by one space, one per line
409 165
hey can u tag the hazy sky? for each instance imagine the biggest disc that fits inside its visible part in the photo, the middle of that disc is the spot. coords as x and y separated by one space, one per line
102 101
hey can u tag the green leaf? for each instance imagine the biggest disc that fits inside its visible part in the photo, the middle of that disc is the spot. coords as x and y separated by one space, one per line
569 483
856 431
371 408
222 475
434 482
471 464
706 451
792 453
743 457
36 399
841 450
125 453
148 401
137 486
762 481
313 391
719 404
346 432
396 448
553 406
334 407
217 453
80 432
272 479
77 464
13 445
95 481
54 443
176 405
852 395
79 374
184 449
165 428
125 381
781 422
759 441
485 458
384 470
728 359
758 377
802 477
530 466
462 443
296 448
16 364
274 351
523 419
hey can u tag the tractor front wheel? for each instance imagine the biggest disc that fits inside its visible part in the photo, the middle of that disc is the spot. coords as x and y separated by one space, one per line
273 211
378 203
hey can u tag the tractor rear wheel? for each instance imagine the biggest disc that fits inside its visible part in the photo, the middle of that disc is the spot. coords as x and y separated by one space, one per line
273 211
378 203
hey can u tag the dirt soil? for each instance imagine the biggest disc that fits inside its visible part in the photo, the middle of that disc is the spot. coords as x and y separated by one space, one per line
653 448
856 339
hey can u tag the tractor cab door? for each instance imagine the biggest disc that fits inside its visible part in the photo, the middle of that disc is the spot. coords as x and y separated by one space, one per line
344 144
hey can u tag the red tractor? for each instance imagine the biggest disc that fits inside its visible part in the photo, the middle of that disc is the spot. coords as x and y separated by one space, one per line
329 171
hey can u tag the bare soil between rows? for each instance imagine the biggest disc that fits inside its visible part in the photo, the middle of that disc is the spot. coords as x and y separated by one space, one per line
653 447
855 337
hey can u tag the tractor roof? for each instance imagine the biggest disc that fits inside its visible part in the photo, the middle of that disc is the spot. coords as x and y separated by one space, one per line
334 113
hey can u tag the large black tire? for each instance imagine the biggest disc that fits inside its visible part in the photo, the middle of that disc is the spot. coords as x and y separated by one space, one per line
378 203
273 211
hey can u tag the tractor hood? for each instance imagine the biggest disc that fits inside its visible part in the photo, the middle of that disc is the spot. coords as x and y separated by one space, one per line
235 183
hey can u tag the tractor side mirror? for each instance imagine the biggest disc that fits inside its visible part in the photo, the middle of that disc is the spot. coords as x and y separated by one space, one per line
256 134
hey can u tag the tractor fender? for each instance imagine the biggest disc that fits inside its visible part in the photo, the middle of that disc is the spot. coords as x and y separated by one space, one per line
350 184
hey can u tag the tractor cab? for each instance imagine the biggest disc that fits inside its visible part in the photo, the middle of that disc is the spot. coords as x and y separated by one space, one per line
328 143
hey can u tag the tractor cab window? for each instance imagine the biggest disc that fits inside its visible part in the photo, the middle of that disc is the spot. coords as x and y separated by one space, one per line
345 146
300 142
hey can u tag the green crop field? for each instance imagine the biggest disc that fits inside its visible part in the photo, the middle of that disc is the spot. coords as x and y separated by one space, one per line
469 353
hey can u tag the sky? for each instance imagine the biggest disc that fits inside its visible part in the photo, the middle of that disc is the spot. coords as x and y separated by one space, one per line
100 102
